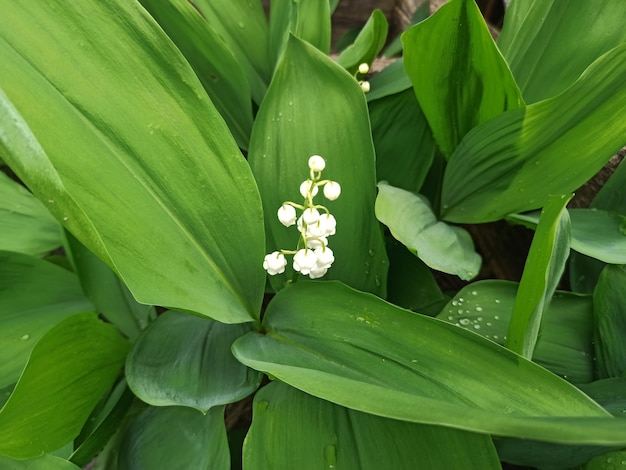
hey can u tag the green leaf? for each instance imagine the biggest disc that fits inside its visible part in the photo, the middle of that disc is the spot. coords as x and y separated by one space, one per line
109 294
411 221
242 25
389 81
185 360
330 436
46 462
148 148
176 438
404 145
608 461
313 107
367 44
356 350
542 272
459 77
542 41
565 343
610 393
219 71
420 14
68 372
515 161
34 297
308 20
27 226
610 322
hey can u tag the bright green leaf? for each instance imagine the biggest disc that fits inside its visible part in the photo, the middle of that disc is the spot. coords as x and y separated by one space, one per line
313 107
27 226
367 45
389 81
46 462
459 77
219 71
181 359
330 436
68 372
176 438
609 314
609 461
34 296
515 161
542 272
147 148
411 221
356 350
542 41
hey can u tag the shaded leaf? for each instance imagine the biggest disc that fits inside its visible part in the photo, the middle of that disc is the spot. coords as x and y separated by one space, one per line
46 462
389 81
367 44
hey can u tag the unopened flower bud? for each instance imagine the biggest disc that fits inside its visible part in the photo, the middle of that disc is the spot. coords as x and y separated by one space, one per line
317 163
305 187
332 190
364 68
287 215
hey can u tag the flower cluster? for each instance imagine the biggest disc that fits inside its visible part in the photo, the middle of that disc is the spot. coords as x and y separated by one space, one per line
312 257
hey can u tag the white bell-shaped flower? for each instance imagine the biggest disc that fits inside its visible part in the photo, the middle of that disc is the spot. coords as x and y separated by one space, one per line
315 243
325 257
317 272
316 230
332 190
287 215
275 263
305 187
310 216
304 261
329 223
317 163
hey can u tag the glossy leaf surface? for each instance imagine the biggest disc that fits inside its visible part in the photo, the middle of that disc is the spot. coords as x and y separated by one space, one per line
459 77
358 351
148 149
543 270
68 372
176 438
34 297
515 161
330 436
27 226
184 360
313 107
411 221
367 44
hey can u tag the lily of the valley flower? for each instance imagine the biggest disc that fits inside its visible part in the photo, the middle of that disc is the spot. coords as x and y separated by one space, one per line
275 263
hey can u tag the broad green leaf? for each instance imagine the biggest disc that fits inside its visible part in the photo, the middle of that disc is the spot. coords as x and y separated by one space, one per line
185 360
242 25
34 297
46 462
68 372
389 81
542 272
459 77
176 438
515 161
313 107
330 436
109 294
609 314
595 233
565 343
609 461
542 41
404 145
356 350
584 271
102 425
610 393
308 20
27 226
411 221
219 71
367 45
147 150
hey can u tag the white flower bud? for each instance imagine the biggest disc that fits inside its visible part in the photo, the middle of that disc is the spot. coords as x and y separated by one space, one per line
364 68
315 243
365 86
325 257
310 216
287 215
332 190
317 163
274 263
304 261
329 223
306 186
317 272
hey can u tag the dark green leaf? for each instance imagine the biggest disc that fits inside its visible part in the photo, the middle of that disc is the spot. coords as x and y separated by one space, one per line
185 360
367 45
610 393
313 107
389 81
459 77
68 372
515 161
330 436
47 462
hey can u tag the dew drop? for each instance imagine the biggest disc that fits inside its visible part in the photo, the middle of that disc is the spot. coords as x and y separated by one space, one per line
497 301
330 457
50 201
479 309
25 337
477 327
496 317
450 317
241 24
461 300
455 303
360 319
474 292
464 321
66 218
479 318
488 323
371 252
460 311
